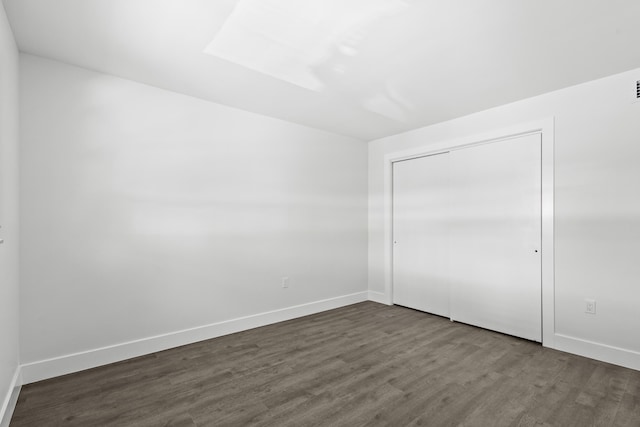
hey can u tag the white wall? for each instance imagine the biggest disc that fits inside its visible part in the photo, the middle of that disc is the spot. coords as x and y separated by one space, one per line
146 212
597 207
8 210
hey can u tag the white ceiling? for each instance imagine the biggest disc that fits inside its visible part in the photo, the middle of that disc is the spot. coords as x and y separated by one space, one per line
413 64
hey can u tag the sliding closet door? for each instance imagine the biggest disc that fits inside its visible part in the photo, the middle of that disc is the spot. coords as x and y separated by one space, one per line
420 249
495 236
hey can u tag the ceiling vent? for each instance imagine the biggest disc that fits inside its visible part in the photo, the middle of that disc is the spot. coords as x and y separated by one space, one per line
637 89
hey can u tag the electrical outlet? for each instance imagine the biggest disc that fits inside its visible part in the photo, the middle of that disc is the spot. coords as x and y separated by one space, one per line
590 306
285 282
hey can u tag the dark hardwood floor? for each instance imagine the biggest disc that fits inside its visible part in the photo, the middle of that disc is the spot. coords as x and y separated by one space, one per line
366 364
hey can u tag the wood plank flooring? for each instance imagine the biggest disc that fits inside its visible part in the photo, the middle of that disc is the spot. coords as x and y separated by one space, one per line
362 365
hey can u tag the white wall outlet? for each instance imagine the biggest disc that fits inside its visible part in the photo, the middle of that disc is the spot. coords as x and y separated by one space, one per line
590 306
285 282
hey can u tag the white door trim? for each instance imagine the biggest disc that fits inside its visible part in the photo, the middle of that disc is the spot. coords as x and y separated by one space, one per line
545 127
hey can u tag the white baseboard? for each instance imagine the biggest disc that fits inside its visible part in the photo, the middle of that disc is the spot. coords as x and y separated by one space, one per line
49 368
593 350
605 353
10 400
379 297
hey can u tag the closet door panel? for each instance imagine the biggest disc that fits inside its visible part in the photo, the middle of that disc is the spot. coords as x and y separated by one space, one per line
495 236
420 233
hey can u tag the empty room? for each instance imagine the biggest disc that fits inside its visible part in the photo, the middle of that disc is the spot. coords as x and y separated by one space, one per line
319 213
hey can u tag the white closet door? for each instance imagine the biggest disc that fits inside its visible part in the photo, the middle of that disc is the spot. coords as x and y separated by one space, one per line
495 236
420 233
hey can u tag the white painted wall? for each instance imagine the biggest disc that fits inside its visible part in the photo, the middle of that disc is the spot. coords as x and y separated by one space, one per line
8 210
597 207
147 212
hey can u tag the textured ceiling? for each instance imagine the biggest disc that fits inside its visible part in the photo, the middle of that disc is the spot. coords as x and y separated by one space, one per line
383 66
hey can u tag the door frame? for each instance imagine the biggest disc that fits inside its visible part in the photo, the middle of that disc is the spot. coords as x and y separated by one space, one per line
544 127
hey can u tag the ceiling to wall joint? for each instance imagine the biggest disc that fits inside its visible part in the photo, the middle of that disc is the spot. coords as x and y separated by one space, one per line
362 68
